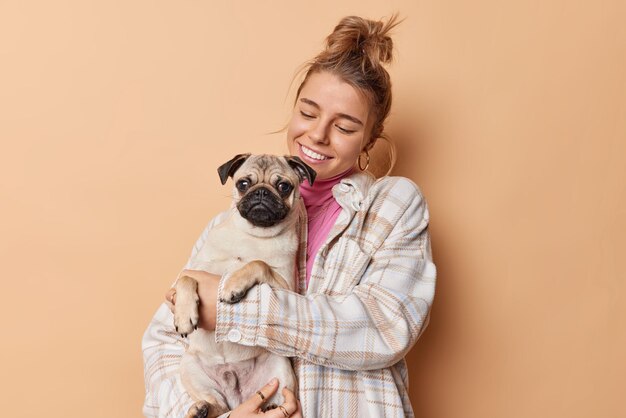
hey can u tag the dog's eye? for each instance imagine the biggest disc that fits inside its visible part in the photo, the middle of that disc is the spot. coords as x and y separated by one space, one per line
242 185
284 188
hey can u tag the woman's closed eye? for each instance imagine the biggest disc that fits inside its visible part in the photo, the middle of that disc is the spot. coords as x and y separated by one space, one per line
342 129
345 130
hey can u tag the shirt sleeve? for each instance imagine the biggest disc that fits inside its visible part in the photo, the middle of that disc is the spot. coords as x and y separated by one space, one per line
162 352
371 326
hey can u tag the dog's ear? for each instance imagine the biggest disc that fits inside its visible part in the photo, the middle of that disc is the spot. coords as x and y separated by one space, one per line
300 167
228 168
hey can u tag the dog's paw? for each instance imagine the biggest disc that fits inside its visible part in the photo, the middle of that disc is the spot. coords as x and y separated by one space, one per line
269 407
186 315
204 409
233 296
235 289
199 410
274 400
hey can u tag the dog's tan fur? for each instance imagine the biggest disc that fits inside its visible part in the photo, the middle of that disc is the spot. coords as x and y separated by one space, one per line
252 255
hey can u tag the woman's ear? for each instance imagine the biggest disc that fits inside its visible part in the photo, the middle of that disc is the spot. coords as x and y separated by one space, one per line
370 144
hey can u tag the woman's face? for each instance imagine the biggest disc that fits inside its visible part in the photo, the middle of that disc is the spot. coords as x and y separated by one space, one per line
330 125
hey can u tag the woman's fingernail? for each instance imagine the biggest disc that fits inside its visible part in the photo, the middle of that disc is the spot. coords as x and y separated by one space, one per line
272 382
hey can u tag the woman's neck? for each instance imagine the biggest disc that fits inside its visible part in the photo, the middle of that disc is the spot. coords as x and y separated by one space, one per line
321 191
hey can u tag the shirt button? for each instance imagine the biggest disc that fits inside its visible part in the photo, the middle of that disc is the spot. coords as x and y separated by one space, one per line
234 336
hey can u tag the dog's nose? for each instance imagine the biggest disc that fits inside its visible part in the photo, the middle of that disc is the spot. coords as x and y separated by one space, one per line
261 192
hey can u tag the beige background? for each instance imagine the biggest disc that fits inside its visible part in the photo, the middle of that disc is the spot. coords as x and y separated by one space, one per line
511 116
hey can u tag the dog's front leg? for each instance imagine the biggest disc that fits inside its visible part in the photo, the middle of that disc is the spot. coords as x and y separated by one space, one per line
186 308
255 272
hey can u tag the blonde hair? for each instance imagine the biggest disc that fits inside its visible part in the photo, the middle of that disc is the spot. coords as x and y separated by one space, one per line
355 52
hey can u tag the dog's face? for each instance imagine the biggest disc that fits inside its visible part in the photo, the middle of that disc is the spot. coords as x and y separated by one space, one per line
266 186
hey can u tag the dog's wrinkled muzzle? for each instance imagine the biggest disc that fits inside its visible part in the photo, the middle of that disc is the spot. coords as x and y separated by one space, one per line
262 208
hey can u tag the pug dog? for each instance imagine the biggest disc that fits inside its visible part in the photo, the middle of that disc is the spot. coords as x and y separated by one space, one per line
257 243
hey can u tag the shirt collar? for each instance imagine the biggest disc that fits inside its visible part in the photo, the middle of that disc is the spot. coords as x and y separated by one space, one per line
351 190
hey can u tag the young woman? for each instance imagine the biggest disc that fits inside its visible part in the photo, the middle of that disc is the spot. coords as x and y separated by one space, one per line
366 277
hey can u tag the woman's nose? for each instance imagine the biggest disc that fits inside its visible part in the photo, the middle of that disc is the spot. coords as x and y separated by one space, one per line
319 133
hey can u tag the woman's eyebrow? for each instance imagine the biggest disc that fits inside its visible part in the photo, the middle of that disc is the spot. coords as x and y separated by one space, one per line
309 102
341 115
350 118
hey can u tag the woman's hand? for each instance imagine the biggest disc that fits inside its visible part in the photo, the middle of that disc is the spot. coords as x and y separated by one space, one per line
207 291
252 407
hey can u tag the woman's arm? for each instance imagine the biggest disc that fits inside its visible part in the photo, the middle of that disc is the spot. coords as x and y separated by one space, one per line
372 326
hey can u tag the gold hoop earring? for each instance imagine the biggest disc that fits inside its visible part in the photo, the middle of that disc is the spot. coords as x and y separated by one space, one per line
367 163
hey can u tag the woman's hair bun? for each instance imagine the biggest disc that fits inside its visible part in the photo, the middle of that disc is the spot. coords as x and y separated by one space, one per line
358 38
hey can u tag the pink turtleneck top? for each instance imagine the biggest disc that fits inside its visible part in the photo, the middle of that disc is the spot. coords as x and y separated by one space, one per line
322 211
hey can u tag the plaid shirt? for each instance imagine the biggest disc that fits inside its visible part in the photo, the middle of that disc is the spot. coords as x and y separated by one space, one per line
368 301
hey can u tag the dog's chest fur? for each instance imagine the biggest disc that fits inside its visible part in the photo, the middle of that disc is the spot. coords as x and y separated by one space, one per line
228 247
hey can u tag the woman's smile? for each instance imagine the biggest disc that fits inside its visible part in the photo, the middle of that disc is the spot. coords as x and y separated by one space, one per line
312 156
